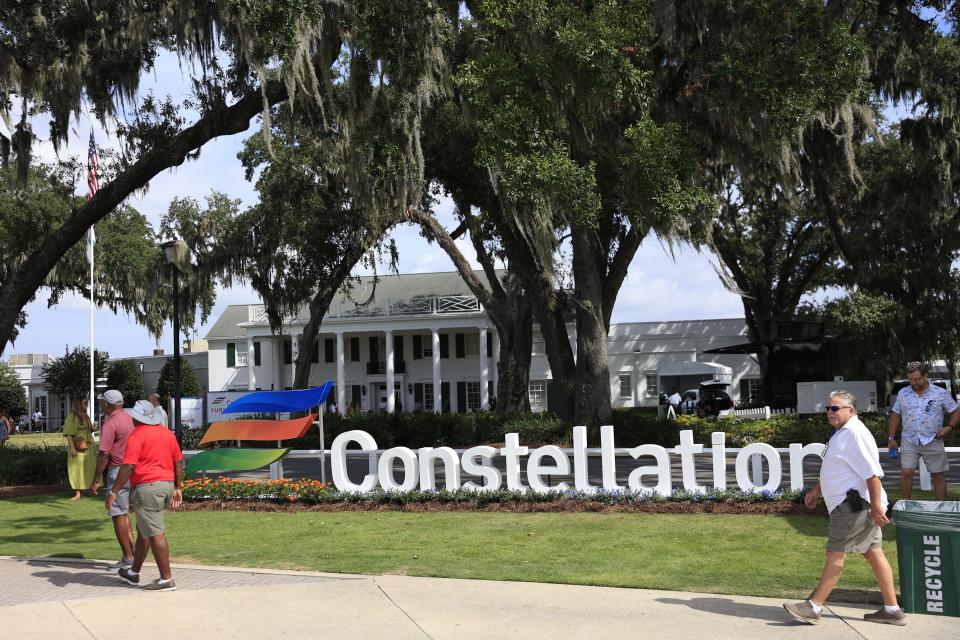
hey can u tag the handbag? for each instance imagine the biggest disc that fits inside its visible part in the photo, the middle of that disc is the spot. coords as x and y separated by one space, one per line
80 443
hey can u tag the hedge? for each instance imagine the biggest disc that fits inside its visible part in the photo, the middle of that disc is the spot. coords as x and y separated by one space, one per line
632 427
33 465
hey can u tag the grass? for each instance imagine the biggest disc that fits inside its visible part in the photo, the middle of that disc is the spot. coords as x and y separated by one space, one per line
776 556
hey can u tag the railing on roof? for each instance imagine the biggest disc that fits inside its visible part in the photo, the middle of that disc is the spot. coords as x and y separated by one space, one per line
421 305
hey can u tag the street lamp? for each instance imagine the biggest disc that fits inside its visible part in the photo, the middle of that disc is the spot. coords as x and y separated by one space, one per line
178 257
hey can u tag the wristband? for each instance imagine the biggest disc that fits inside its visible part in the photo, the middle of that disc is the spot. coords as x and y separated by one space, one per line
892 438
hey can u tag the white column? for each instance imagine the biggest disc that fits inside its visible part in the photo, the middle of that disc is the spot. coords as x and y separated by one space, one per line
294 352
496 360
251 374
484 371
391 399
341 380
437 399
277 353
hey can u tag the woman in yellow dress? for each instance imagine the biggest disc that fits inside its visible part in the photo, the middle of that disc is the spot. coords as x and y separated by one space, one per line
81 451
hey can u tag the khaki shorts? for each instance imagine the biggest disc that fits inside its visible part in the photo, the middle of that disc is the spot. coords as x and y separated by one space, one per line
852 532
149 501
934 456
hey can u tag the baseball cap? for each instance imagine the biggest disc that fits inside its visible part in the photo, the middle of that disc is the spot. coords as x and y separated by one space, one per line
143 412
112 396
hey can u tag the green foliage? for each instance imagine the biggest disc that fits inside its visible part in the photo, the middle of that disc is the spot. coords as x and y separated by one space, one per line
189 382
125 377
33 465
70 373
13 397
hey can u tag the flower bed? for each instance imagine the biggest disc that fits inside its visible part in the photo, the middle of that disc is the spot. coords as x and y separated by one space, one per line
221 493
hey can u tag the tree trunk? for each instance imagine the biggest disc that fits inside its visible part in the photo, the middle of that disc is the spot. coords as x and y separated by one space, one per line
593 406
513 367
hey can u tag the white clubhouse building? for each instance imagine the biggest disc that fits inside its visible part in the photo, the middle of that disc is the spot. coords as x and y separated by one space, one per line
420 334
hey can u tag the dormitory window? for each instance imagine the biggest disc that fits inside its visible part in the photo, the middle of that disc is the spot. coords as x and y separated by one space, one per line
652 388
626 389
473 396
538 395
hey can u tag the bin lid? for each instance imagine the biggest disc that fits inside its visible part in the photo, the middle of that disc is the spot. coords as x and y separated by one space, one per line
928 515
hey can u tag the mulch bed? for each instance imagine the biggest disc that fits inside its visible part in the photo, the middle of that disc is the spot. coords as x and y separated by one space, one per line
32 490
559 506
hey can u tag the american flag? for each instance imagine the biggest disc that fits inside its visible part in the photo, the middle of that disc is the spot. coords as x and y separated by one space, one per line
93 167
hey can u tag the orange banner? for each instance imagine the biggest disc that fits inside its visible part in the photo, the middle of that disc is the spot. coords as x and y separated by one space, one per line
258 429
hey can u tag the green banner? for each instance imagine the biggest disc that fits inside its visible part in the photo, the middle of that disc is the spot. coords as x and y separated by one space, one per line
233 459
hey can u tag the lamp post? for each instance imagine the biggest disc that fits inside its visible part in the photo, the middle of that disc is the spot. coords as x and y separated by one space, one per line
174 255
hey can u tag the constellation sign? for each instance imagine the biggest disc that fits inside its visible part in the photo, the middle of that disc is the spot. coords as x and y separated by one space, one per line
419 467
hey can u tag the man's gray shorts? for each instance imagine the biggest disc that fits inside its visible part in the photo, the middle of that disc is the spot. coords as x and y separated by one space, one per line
852 532
149 501
121 505
934 456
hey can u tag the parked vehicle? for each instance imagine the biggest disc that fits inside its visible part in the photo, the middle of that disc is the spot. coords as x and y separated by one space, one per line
711 398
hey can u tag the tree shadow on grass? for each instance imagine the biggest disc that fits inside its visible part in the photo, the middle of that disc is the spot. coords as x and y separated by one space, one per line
54 530
776 616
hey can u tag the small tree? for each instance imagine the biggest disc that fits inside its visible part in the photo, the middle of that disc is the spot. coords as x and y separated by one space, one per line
13 398
70 373
189 382
125 377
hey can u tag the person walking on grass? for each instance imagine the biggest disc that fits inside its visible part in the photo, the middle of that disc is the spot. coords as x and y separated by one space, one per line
921 408
153 464
81 459
850 486
117 427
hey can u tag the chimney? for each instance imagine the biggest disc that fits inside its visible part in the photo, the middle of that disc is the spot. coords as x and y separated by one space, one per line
158 351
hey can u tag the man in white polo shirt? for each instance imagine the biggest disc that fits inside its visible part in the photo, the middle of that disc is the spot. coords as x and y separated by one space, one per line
921 408
850 486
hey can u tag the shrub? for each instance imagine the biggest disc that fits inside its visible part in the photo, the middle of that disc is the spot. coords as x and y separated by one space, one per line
33 465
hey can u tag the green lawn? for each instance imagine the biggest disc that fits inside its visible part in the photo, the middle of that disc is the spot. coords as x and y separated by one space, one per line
751 555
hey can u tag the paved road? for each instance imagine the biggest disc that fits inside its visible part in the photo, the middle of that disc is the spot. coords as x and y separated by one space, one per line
357 467
63 600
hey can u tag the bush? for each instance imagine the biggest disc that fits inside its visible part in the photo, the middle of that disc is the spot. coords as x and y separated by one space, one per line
33 465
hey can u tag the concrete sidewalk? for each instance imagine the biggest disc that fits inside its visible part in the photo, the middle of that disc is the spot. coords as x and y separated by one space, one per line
62 599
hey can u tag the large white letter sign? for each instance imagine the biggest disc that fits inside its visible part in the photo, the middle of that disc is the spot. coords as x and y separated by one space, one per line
536 469
512 452
661 470
581 478
338 461
719 441
451 468
608 458
773 464
385 469
686 449
486 470
797 454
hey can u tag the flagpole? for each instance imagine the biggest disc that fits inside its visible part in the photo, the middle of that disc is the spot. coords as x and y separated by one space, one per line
93 358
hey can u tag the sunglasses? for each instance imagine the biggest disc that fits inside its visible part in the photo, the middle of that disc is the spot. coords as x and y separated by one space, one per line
833 408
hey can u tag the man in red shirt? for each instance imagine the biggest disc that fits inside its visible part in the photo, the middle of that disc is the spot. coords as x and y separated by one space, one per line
117 427
154 465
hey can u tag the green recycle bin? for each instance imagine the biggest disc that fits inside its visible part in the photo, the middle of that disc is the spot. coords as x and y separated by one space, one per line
928 547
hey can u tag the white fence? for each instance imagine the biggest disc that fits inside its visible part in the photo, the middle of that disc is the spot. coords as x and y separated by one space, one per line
762 413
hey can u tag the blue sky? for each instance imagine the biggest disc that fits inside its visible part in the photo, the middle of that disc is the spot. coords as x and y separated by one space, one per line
658 287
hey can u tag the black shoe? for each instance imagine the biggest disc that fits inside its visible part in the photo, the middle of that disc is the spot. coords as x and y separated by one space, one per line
128 575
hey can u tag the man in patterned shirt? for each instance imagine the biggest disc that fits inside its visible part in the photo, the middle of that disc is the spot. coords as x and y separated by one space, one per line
921 408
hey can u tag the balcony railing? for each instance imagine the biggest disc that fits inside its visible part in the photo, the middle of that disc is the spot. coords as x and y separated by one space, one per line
419 306
380 368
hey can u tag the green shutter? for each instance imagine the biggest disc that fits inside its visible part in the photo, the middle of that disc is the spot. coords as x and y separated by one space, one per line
355 349
231 354
417 347
461 345
329 350
445 397
489 345
374 350
398 348
444 345
256 354
461 396
287 352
